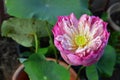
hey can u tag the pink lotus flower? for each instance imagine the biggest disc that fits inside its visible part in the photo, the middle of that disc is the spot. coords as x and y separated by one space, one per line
80 42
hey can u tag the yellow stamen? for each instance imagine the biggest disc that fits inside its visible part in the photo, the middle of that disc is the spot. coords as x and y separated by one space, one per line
80 40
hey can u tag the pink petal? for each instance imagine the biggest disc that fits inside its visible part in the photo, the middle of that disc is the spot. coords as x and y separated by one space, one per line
74 59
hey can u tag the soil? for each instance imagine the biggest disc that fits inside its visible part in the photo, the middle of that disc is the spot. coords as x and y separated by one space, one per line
8 58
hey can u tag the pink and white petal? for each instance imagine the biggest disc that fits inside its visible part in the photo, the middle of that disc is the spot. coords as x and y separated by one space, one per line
68 22
67 29
73 20
90 59
67 45
105 36
98 27
80 50
84 24
87 30
67 37
58 45
81 28
95 43
74 59
87 26
94 56
81 24
56 30
94 20
83 18
73 23
59 37
66 42
89 62
64 56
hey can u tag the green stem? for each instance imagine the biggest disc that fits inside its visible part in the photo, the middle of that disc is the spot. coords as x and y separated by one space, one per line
68 68
79 72
55 52
36 43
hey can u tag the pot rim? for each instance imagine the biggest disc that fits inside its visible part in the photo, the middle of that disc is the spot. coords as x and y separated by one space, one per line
16 73
110 11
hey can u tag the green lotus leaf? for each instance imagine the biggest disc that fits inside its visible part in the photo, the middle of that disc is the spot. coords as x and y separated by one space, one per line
40 69
46 9
23 31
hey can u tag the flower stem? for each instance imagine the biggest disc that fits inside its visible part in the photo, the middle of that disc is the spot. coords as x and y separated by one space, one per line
36 43
77 78
55 52
68 68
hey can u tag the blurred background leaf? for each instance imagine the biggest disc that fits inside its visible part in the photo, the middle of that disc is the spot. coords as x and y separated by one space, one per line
46 9
115 42
92 73
107 62
23 31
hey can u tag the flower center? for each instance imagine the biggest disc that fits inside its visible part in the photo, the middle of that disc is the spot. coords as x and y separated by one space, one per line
80 40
